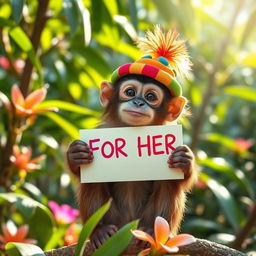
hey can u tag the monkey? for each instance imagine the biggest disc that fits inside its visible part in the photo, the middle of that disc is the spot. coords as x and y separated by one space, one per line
135 100
141 93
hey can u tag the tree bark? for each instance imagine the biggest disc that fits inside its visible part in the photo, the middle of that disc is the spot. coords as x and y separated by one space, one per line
211 87
35 39
199 248
246 230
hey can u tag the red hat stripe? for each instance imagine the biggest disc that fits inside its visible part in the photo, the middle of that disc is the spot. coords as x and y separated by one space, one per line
150 71
124 70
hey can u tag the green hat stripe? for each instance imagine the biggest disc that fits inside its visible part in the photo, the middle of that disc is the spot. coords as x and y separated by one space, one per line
175 87
115 75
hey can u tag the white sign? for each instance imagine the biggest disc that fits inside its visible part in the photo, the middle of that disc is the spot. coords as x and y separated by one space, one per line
131 153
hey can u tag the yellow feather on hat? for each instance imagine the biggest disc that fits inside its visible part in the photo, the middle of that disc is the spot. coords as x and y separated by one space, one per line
159 43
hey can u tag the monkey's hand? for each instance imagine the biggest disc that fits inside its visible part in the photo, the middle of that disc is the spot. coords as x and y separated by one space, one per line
78 153
182 157
101 234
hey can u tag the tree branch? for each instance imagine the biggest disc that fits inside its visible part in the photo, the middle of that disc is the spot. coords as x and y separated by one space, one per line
35 39
245 231
208 94
199 248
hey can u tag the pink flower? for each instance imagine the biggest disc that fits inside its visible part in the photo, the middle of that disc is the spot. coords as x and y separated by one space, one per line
164 242
242 144
64 214
15 236
21 158
28 105
201 184
18 64
4 63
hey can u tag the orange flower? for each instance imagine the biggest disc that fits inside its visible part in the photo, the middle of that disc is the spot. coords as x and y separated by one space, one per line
71 235
28 106
164 242
22 159
17 235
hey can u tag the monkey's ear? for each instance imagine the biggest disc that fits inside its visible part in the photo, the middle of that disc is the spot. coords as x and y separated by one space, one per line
176 106
106 90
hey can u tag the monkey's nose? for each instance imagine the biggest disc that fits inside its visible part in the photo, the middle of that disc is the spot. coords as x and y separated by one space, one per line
138 102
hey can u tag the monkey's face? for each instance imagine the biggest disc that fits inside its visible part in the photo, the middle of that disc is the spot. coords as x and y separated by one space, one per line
139 102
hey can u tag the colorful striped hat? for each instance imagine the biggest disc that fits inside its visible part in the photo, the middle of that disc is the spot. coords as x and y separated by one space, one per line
166 57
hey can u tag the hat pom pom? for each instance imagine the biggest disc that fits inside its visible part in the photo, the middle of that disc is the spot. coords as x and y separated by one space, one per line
165 46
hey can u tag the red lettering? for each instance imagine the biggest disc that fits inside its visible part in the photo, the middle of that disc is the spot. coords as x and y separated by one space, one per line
112 149
91 142
155 144
168 144
147 145
119 147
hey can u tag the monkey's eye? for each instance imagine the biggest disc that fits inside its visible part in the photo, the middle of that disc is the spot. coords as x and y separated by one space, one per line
151 97
130 92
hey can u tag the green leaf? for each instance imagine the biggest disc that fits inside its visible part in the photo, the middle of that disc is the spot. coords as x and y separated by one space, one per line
7 22
209 19
22 40
133 13
16 249
250 26
24 204
33 191
95 59
228 204
221 166
221 139
117 243
243 92
127 26
68 107
180 12
107 33
200 225
75 90
89 226
38 215
69 128
72 14
61 70
129 50
5 10
111 6
86 21
196 95
57 236
249 60
17 7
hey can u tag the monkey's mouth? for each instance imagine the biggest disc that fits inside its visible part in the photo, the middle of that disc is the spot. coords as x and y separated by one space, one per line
135 113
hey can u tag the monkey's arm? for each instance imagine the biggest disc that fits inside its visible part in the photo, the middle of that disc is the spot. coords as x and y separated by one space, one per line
78 153
182 157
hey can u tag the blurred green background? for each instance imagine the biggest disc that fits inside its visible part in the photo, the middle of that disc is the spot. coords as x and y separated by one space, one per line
81 43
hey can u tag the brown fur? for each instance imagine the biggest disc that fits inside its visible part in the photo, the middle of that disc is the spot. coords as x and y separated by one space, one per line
144 200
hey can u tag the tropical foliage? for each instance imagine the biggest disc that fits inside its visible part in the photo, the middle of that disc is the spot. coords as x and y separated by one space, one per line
53 56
